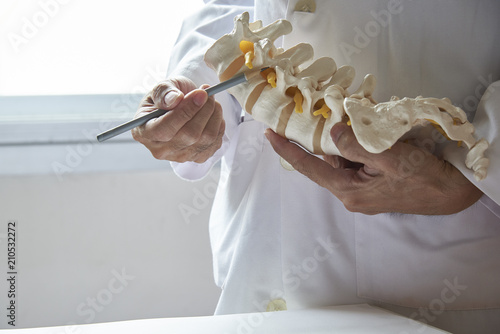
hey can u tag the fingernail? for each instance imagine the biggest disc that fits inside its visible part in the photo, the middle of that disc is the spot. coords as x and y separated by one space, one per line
200 98
267 133
171 98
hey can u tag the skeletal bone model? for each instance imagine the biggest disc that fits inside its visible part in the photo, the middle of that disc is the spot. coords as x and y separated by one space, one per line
303 104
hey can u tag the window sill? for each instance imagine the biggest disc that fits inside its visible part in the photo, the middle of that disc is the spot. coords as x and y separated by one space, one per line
57 135
61 160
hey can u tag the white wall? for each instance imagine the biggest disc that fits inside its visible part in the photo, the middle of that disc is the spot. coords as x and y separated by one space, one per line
76 236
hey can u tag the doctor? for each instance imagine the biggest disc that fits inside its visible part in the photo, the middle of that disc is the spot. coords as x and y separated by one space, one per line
416 236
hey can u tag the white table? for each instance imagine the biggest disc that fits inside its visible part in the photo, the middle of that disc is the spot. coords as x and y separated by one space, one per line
339 319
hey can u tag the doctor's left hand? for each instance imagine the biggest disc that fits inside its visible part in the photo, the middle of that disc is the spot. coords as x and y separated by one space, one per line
404 179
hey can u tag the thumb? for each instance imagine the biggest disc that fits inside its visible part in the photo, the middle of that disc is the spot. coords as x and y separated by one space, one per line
347 144
166 95
171 99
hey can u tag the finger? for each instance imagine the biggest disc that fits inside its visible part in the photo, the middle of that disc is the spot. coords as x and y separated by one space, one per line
202 130
345 140
203 156
349 147
212 129
202 150
333 160
146 103
166 95
339 162
163 96
176 151
185 85
208 152
313 167
193 131
165 127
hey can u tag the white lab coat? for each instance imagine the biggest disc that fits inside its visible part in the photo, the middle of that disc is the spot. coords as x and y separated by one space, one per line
276 234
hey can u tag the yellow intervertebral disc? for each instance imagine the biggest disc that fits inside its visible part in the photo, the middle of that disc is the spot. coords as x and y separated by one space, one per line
271 78
246 46
298 98
249 56
324 111
248 49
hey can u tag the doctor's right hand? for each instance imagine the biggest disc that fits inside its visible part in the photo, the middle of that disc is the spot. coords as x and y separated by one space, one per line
191 131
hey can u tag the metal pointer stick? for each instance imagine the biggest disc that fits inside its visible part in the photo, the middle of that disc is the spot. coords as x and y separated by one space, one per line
222 86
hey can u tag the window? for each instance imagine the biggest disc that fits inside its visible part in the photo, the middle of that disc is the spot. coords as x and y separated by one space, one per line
71 69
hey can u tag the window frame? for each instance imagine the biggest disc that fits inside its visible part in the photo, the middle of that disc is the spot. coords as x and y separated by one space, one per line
61 138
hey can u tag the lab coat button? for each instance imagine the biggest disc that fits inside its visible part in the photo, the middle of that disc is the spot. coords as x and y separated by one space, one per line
276 305
307 6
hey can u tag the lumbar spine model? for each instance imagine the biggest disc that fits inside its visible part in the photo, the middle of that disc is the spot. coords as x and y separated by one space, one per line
303 104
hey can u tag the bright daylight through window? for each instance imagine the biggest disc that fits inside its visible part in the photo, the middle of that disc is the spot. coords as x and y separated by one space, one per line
70 69
61 47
